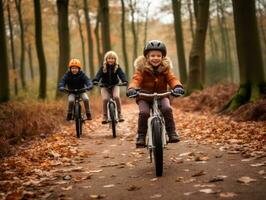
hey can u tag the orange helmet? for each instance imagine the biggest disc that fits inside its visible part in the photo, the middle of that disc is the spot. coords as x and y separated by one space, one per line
74 63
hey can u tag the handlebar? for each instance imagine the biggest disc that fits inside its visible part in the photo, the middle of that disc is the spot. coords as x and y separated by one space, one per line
143 94
76 91
110 86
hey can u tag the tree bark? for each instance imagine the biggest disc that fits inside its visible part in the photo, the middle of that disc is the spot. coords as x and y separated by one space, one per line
22 46
146 23
104 10
30 61
124 42
13 56
176 4
133 29
64 39
89 37
81 39
39 48
4 80
213 42
98 39
197 54
190 19
261 26
252 81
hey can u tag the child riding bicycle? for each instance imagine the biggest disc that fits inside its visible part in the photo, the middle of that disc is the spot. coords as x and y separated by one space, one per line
75 78
109 74
153 74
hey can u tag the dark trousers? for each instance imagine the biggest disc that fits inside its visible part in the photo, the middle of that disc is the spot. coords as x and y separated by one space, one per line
144 114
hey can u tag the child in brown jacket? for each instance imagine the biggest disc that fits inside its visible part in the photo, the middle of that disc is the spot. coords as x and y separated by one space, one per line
153 74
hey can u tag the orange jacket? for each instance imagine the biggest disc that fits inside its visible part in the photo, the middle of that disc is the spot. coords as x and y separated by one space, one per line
145 79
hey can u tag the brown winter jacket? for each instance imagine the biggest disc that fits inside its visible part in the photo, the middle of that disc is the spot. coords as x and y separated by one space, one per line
145 79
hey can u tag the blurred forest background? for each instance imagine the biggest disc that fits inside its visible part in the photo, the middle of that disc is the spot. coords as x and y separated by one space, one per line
209 41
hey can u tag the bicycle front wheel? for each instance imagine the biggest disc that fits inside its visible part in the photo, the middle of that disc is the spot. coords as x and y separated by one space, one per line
113 118
78 120
158 146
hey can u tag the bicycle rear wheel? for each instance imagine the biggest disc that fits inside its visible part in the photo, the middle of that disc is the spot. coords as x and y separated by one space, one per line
112 116
158 146
78 120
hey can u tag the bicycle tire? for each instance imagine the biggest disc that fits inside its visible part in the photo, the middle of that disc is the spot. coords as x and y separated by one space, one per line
78 120
112 116
158 146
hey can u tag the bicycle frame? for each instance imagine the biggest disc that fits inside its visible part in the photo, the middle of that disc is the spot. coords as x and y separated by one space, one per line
111 100
156 113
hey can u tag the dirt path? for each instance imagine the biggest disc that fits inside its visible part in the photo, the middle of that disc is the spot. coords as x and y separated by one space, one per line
114 169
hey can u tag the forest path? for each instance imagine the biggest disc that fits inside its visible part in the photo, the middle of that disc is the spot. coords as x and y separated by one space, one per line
112 168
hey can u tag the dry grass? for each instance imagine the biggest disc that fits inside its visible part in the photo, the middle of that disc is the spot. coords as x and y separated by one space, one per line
24 120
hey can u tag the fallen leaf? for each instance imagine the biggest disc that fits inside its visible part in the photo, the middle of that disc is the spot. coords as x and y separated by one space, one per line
67 188
179 179
189 193
258 164
156 196
227 194
246 180
217 179
205 185
203 158
189 180
200 173
154 179
67 177
109 186
95 171
208 191
133 188
261 172
97 196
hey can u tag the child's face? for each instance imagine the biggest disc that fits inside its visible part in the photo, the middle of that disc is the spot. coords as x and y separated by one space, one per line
74 70
110 60
155 58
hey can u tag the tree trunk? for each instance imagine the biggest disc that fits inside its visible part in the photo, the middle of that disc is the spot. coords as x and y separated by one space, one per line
81 39
89 36
98 39
12 50
22 46
104 10
176 4
261 17
133 29
196 57
252 82
228 56
39 48
146 22
30 61
124 42
213 42
64 39
4 80
190 19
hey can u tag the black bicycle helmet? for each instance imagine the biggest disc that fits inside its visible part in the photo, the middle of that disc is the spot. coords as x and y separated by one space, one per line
154 45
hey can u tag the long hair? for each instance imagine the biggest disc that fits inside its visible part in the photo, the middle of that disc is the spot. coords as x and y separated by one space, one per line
113 55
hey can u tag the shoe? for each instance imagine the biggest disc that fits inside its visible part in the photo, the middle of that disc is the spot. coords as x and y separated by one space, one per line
69 116
173 137
140 142
88 116
105 120
120 118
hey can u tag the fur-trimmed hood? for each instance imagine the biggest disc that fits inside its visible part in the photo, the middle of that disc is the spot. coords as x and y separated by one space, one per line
141 63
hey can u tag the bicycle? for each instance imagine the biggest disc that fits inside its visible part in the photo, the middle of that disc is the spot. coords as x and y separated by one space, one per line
156 134
112 113
77 111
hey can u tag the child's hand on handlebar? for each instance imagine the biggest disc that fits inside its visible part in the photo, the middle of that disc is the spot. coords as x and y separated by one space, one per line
61 89
177 91
132 92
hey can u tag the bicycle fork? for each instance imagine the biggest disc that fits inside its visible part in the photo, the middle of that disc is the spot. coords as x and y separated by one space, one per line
149 143
111 101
